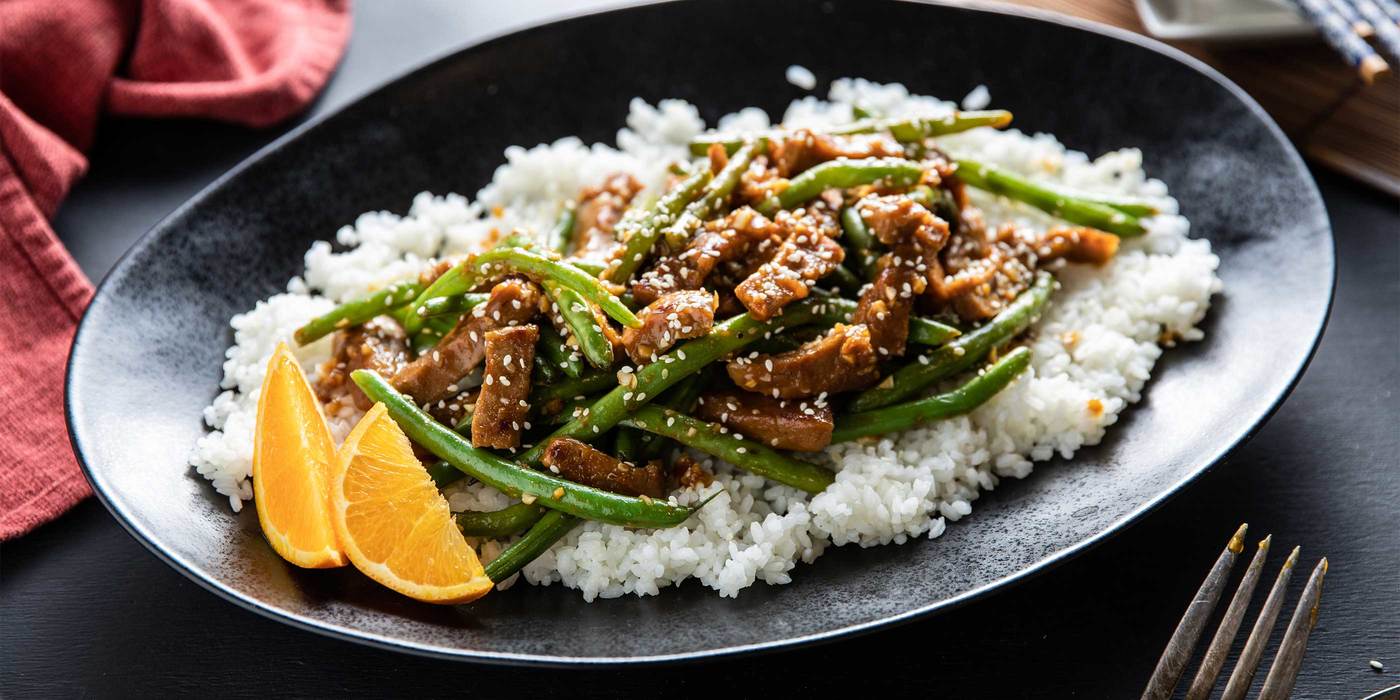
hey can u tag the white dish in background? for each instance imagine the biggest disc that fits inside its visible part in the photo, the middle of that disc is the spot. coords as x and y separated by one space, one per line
1222 20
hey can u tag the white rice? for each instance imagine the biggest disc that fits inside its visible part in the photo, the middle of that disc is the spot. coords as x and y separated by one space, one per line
800 76
1094 347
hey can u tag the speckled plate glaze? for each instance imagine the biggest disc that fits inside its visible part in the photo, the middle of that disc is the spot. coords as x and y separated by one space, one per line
148 354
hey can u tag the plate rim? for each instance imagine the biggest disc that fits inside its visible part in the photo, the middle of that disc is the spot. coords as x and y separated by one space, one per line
336 631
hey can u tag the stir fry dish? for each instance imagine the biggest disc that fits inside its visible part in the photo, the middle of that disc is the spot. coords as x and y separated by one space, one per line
788 289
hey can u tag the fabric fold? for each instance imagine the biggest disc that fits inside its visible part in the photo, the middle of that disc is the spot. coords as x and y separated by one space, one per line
62 64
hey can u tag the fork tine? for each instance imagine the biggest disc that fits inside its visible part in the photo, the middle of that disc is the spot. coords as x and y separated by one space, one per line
1173 661
1229 626
1248 663
1278 685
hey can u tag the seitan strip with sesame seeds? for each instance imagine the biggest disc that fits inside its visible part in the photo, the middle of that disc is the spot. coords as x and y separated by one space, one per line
673 317
786 424
580 463
503 407
808 253
434 375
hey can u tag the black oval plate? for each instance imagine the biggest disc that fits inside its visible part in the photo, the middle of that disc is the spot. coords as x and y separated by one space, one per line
147 357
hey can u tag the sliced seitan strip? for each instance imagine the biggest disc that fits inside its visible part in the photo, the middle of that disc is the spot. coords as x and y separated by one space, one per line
673 317
742 233
808 253
582 464
503 407
435 374
803 149
378 345
842 360
599 210
787 424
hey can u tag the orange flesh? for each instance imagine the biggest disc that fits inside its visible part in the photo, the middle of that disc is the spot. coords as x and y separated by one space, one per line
292 456
395 525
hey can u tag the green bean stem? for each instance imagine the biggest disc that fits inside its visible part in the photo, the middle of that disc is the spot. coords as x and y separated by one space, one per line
731 447
550 528
642 232
1057 204
963 399
963 352
672 367
357 311
499 523
583 324
513 479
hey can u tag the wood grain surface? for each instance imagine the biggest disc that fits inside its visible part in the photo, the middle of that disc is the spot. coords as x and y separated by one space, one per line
86 611
1316 98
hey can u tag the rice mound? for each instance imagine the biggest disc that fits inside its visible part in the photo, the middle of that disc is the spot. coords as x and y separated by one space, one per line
1094 349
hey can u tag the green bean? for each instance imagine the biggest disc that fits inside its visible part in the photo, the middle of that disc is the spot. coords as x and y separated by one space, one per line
956 402
915 129
1057 204
458 304
591 267
731 447
642 232
922 331
554 351
628 447
473 271
444 473
672 367
561 235
434 328
846 173
590 383
357 311
542 373
681 398
1131 207
516 480
585 327
499 523
846 280
425 340
963 352
549 529
854 230
710 202
864 248
920 128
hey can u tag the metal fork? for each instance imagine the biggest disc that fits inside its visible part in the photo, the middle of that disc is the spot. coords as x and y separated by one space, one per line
1284 670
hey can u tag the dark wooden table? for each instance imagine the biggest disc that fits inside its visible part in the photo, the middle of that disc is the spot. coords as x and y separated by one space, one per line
86 610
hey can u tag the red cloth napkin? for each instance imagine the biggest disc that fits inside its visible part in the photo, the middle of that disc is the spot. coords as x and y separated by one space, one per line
62 63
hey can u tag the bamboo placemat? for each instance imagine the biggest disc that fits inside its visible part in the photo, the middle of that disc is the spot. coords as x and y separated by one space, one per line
1317 99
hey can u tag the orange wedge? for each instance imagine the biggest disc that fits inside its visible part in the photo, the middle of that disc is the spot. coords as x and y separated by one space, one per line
292 459
394 524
